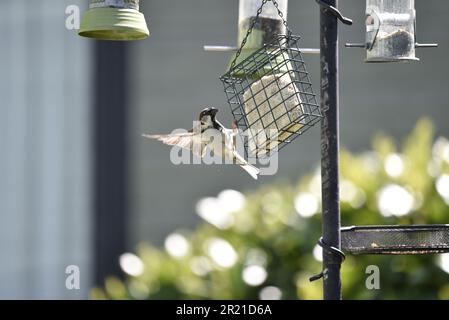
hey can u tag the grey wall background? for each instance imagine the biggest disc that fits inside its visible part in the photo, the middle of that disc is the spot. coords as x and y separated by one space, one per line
45 152
173 78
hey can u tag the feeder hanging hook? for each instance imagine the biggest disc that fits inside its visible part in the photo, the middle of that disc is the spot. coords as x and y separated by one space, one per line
335 12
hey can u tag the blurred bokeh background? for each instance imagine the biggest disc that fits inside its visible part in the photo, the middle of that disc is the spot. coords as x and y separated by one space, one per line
79 186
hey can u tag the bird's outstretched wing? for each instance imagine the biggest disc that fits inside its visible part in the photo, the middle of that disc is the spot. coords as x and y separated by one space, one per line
182 140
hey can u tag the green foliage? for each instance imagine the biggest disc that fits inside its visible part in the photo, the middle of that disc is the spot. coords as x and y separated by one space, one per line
276 229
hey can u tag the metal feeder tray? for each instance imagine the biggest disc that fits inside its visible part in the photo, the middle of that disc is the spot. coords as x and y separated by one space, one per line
414 239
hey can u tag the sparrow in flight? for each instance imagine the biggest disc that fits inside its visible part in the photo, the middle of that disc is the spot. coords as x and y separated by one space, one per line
198 141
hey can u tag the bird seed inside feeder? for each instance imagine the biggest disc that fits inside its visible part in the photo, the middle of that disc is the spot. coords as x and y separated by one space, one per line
396 44
265 30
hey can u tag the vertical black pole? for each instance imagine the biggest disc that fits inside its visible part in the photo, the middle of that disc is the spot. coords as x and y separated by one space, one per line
111 90
330 150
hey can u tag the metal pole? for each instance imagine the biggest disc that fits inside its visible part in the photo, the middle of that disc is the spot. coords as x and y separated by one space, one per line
110 199
330 151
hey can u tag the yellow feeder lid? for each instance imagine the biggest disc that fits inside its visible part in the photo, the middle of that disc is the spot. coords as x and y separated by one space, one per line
114 24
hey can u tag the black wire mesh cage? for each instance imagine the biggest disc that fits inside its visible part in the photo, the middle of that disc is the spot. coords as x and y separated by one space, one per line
414 239
271 96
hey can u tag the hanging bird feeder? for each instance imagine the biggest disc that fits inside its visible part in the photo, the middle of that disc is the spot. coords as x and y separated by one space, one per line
267 25
269 90
114 20
390 31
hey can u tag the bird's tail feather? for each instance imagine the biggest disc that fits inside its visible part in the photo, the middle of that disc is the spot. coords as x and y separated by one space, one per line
252 170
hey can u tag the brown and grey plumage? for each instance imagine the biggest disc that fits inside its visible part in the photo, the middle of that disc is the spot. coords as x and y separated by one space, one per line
198 142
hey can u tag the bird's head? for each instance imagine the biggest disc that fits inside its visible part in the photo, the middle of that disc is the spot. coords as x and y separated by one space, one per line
207 116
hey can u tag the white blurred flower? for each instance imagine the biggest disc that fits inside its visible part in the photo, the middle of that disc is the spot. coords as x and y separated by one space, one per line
256 256
315 184
177 245
441 149
220 211
270 293
442 186
418 200
200 266
394 165
138 290
444 262
371 161
306 204
359 200
214 212
254 275
318 253
348 191
222 252
351 194
231 200
271 204
395 200
131 264
433 168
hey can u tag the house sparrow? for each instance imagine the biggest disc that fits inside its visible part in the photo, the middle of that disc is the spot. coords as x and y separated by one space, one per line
197 141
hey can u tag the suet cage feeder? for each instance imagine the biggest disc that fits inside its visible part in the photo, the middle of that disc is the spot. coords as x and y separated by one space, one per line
118 20
391 31
269 91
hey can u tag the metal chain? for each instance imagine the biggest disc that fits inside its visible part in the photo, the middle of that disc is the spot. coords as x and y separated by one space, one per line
281 15
253 23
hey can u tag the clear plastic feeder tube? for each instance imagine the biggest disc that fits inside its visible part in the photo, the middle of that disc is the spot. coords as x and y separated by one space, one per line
267 26
390 30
